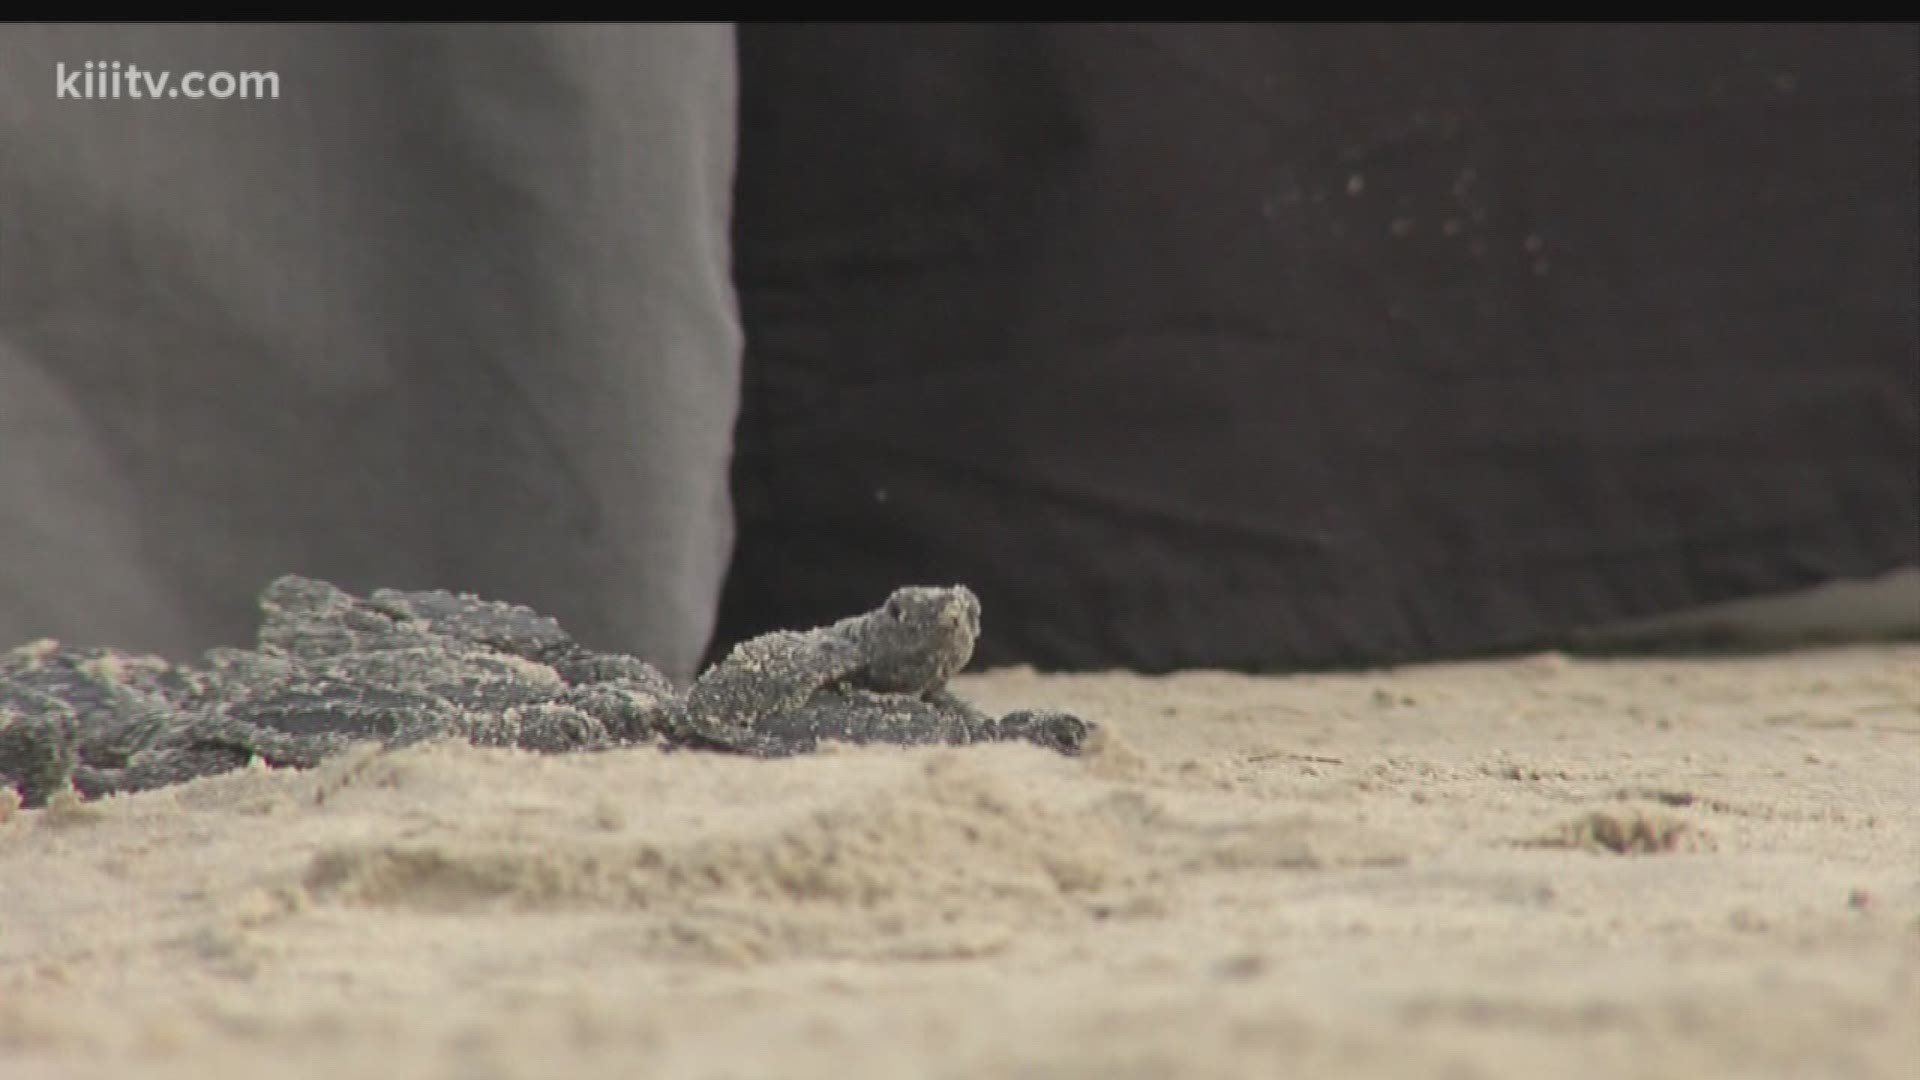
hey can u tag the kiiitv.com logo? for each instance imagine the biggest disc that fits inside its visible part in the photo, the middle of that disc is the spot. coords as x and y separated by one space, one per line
113 80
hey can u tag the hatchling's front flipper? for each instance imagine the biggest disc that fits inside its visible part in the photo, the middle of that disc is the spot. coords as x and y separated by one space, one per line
1060 731
861 717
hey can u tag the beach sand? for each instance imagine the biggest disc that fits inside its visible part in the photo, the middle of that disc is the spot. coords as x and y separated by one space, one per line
1545 866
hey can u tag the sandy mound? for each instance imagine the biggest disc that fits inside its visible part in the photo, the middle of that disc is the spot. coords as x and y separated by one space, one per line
1545 866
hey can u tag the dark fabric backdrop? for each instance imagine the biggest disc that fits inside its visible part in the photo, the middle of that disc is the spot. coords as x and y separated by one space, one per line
1278 346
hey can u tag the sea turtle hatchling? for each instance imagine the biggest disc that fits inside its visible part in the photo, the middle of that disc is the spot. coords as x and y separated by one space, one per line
332 669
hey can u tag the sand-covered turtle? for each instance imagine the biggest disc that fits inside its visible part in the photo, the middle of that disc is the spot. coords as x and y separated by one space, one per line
331 669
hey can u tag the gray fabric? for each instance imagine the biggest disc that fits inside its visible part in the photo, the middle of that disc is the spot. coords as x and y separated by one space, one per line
454 311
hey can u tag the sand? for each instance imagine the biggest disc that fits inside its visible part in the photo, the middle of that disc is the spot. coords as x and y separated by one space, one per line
1685 867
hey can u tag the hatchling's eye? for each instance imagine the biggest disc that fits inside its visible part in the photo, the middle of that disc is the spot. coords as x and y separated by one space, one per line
894 610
